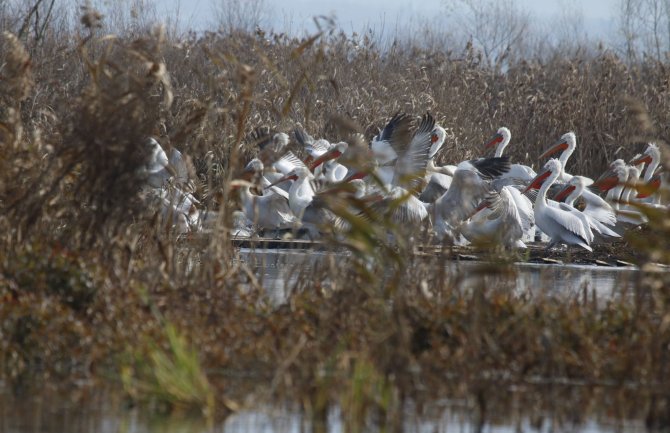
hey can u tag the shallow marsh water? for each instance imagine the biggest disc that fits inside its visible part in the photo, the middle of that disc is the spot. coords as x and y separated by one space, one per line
279 270
40 410
105 412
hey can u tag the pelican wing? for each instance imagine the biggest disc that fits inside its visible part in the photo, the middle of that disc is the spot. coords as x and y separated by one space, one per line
498 207
565 219
520 174
490 168
317 148
287 163
397 132
598 209
402 207
586 224
392 139
267 189
437 185
410 167
467 190
303 137
260 137
524 206
602 228
180 165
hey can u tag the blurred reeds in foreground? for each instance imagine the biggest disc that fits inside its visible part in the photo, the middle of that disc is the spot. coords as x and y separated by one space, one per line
92 286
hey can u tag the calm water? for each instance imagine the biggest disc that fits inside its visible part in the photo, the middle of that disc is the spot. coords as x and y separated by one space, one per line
90 410
277 270
104 412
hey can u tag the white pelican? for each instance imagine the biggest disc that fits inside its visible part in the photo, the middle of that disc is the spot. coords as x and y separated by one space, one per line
517 173
269 211
525 209
387 147
651 157
180 165
269 143
334 172
561 222
438 181
496 221
179 209
241 225
321 151
283 170
408 173
599 213
338 172
652 181
314 148
438 178
469 186
437 138
157 169
566 145
651 192
383 151
397 200
301 193
628 213
613 181
305 202
410 167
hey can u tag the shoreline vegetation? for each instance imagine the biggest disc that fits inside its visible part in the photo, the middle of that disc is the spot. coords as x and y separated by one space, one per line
93 288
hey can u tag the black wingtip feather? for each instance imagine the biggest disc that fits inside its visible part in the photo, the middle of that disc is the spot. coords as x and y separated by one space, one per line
492 167
427 124
392 124
261 137
301 136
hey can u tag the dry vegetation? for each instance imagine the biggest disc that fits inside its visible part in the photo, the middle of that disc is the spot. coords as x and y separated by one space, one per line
91 287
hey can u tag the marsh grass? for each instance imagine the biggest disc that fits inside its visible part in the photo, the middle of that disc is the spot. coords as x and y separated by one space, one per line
170 376
92 286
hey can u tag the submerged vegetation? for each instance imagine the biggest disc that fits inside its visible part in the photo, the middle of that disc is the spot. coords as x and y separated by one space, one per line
93 287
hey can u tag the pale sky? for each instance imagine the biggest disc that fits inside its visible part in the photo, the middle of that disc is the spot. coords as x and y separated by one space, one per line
599 16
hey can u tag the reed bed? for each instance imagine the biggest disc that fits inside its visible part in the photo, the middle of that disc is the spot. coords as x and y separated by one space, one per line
93 287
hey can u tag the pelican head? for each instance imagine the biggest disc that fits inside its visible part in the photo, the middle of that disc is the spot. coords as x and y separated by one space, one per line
651 153
501 137
254 166
615 174
565 144
577 183
335 152
552 167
